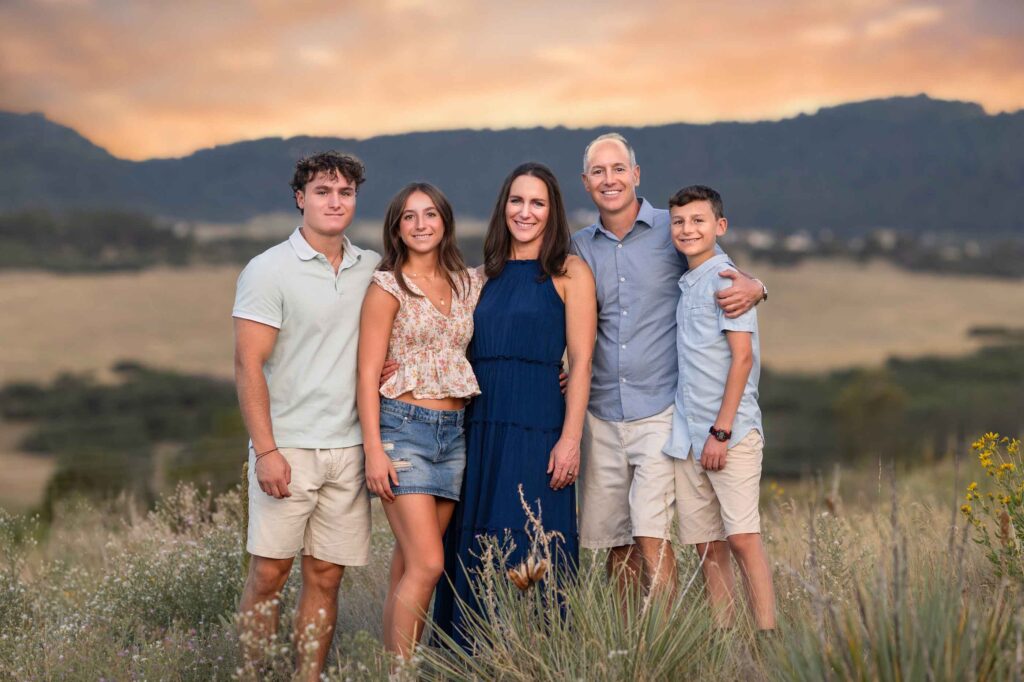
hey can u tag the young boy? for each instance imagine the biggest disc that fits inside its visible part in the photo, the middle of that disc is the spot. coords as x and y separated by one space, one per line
716 428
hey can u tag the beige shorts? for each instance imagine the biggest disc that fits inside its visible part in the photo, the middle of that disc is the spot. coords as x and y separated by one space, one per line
627 484
327 515
713 505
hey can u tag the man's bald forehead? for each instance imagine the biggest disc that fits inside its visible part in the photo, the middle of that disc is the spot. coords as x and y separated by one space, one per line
608 137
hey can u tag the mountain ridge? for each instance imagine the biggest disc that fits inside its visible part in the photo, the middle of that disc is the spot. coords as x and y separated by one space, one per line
910 163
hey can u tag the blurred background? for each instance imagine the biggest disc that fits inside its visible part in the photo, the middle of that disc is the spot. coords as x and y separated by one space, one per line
871 156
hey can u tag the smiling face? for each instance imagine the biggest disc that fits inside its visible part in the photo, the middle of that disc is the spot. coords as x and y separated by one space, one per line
328 204
610 179
526 214
420 225
695 230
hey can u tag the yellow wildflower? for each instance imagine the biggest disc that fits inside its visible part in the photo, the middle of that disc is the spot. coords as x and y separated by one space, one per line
973 486
965 508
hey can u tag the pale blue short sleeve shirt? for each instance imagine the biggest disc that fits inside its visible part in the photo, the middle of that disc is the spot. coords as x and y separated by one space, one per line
311 373
704 359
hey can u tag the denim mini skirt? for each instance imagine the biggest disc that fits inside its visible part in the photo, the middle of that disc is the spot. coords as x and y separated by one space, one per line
426 447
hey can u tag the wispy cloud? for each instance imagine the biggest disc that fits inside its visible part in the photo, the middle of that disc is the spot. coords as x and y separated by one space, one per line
144 78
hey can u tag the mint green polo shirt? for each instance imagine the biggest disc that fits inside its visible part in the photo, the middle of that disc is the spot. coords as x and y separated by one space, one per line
311 373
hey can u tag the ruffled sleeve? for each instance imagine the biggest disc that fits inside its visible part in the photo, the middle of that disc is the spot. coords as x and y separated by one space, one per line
477 279
386 281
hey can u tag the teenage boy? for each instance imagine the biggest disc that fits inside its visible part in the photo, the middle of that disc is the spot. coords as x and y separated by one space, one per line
716 429
296 319
627 488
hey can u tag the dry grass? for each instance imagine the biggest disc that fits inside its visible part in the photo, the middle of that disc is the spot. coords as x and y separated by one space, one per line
863 585
820 316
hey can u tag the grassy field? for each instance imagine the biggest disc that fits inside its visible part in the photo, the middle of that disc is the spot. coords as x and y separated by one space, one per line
876 574
820 315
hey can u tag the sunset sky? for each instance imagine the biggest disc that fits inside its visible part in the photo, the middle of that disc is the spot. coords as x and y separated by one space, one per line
146 78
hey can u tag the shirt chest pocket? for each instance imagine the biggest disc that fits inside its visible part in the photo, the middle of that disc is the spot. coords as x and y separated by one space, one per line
702 323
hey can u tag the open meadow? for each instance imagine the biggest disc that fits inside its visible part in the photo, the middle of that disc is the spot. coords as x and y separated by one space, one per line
877 574
820 316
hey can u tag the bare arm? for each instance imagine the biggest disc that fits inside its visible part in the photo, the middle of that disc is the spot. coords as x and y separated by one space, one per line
740 344
254 343
375 322
578 291
744 294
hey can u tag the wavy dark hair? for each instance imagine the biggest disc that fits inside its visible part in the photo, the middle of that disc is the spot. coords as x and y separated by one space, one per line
554 246
333 163
396 253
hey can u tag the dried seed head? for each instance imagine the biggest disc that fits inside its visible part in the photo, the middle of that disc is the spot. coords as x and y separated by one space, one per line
519 577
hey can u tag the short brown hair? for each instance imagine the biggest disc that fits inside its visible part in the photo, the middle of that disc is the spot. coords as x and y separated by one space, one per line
331 162
698 193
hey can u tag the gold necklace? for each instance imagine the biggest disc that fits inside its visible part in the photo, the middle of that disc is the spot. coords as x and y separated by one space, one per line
415 275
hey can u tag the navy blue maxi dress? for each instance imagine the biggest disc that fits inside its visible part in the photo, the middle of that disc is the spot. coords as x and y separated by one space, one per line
518 341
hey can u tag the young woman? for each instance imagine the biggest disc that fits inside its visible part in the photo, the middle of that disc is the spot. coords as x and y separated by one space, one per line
538 302
419 312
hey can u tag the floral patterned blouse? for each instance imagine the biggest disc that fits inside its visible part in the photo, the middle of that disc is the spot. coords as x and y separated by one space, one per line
430 347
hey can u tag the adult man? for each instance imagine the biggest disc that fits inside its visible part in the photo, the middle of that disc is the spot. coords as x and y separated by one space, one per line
627 485
296 319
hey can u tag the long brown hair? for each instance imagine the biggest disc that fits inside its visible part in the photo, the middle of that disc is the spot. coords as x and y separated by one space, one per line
396 253
554 246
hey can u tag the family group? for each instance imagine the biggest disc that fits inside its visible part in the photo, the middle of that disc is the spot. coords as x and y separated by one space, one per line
438 389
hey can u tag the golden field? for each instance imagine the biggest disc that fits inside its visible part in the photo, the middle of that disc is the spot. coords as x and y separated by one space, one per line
820 315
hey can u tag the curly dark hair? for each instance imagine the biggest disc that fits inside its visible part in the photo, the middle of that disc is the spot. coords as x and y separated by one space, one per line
331 162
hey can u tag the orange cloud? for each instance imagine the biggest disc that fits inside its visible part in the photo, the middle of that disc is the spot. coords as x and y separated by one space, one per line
145 79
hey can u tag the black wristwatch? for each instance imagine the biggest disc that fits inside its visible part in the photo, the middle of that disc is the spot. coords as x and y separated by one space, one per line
721 435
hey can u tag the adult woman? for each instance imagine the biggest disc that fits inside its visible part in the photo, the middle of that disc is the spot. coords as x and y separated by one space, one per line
538 301
419 312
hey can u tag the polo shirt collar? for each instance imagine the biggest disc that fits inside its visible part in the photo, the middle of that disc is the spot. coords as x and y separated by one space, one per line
302 248
645 217
350 256
691 277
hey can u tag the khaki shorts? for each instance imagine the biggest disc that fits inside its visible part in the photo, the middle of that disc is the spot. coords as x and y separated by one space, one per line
627 484
713 505
327 515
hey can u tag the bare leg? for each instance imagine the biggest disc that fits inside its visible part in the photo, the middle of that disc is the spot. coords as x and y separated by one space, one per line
718 578
626 567
395 576
757 577
418 522
660 564
319 595
264 583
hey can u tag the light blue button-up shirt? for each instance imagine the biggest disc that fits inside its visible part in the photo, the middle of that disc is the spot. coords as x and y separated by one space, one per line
704 361
635 356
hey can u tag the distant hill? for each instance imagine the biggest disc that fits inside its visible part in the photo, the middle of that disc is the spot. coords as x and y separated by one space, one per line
912 163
